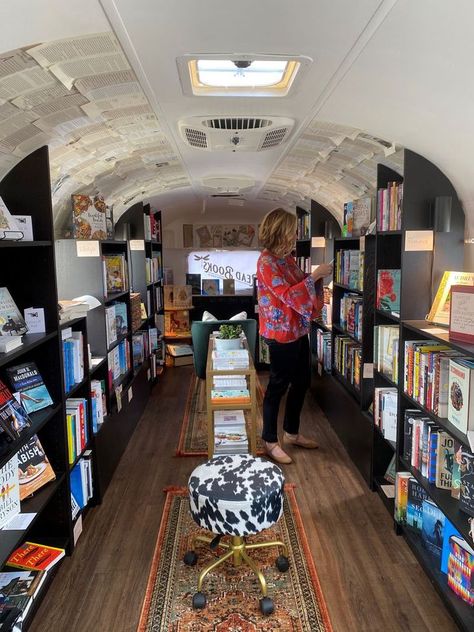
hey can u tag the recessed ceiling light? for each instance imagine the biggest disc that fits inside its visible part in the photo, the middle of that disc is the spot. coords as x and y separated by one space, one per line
240 75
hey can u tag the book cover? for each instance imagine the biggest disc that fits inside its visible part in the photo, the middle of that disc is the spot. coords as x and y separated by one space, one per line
26 380
89 217
210 287
9 228
432 528
456 475
115 273
461 569
35 556
449 531
361 216
416 496
14 418
444 460
121 319
466 496
401 496
17 588
194 280
177 323
388 290
228 286
12 322
440 309
9 491
34 468
461 394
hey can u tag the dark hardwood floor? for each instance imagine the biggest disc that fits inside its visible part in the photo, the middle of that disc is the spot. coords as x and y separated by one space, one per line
370 580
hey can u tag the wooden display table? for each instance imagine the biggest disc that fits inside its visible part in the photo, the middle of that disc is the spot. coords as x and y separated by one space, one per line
250 374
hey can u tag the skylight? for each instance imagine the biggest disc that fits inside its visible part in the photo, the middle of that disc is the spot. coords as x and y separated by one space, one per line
239 74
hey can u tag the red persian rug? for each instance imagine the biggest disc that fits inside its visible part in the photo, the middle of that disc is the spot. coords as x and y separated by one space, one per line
193 435
232 593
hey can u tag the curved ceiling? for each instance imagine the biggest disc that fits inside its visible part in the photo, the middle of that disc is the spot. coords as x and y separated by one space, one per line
98 82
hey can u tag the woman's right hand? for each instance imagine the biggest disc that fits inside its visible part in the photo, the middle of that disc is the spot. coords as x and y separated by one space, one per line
323 270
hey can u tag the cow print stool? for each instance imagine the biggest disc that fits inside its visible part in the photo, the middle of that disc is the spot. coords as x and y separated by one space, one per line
236 495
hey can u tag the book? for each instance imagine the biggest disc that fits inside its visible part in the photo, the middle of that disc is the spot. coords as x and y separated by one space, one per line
461 394
35 556
432 528
178 296
461 318
210 287
194 280
13 418
115 272
228 286
466 468
177 323
12 322
401 496
416 496
18 588
9 227
9 343
121 319
26 380
456 474
34 468
361 216
444 460
440 309
9 491
89 217
388 290
461 569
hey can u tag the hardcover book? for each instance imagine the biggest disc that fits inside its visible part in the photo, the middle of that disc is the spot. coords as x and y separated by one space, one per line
456 476
210 287
361 216
9 491
401 496
89 217
34 469
388 290
26 380
416 496
432 528
9 228
466 467
17 588
177 323
194 280
115 273
35 556
121 319
444 460
461 394
13 418
440 310
449 531
12 322
229 286
461 569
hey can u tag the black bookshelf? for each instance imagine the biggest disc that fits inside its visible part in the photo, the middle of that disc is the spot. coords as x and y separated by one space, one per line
303 239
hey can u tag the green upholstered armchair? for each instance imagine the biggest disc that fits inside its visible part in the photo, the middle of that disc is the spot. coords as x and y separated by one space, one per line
201 330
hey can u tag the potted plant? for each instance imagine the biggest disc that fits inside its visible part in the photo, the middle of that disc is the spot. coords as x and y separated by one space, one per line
229 337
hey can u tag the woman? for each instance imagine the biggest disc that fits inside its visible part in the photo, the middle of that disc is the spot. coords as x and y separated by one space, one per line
287 302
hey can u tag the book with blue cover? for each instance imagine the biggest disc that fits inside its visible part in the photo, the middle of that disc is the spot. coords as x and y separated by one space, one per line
432 528
416 496
26 380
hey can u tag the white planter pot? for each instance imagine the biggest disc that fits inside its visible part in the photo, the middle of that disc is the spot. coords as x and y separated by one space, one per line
226 344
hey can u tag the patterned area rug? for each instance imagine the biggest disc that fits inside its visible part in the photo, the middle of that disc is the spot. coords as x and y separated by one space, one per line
232 593
193 436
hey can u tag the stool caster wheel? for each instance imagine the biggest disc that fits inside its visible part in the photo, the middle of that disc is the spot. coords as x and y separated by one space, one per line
282 563
199 601
190 558
266 606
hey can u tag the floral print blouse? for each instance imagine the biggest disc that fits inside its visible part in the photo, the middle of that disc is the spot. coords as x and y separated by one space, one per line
287 298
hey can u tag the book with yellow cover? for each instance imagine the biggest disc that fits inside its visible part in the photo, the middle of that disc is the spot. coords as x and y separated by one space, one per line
439 312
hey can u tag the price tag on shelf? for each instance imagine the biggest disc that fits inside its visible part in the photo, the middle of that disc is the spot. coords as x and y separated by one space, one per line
66 333
87 248
130 394
137 244
368 370
418 240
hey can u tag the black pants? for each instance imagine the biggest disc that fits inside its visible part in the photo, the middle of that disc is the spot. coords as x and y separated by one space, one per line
289 366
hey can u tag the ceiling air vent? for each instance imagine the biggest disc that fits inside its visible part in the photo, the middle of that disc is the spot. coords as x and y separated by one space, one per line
235 133
196 138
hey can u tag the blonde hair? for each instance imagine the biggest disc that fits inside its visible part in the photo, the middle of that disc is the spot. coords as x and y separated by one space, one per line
278 232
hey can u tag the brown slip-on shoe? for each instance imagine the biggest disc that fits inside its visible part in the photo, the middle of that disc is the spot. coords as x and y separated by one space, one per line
277 454
299 440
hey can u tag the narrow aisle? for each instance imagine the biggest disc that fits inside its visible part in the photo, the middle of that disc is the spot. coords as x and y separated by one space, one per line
362 565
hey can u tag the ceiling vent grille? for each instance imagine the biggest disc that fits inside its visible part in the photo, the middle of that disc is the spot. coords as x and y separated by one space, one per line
236 123
196 138
274 138
235 133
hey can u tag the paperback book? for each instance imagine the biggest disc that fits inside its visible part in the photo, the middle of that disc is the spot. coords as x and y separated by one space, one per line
388 291
432 528
461 569
461 394
9 491
32 556
466 496
26 380
416 496
34 468
89 217
194 280
210 287
12 322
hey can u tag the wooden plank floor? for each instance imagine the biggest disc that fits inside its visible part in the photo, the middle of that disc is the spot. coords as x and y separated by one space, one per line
369 577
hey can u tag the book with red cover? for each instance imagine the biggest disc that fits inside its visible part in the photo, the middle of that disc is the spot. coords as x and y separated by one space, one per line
35 556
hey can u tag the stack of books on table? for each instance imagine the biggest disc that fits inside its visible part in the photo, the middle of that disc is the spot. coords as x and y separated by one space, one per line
230 435
230 360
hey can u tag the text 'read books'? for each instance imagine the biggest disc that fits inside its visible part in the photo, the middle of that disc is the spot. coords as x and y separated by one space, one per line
388 291
461 569
9 491
461 394
89 217
12 322
34 468
13 417
440 310
26 380
32 556
432 529
17 590
73 358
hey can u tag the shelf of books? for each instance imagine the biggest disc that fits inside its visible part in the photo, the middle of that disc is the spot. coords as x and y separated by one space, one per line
303 239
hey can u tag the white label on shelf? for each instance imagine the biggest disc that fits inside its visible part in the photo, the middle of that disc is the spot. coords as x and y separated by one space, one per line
368 370
87 248
66 333
148 374
362 243
130 394
34 318
462 313
318 242
435 330
137 244
77 529
418 240
19 522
